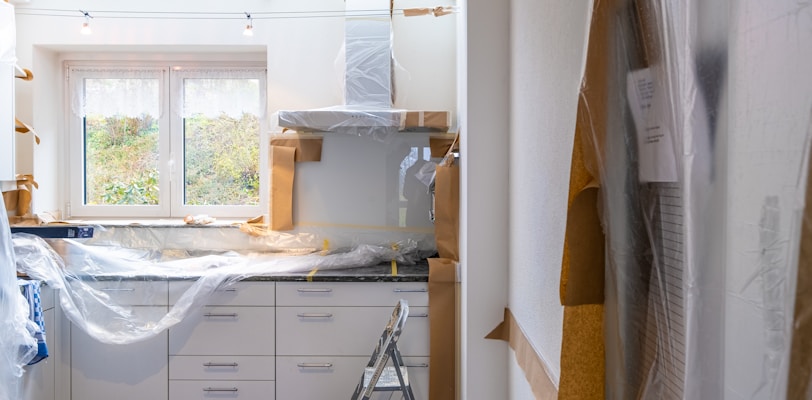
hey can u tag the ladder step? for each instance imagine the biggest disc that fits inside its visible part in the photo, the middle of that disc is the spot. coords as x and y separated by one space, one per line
388 379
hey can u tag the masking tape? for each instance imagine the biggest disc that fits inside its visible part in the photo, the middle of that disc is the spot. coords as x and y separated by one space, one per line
529 361
311 273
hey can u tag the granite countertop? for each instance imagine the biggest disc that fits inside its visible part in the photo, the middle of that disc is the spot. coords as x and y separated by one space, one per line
379 273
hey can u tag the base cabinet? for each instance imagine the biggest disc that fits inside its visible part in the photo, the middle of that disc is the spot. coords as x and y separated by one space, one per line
254 340
135 371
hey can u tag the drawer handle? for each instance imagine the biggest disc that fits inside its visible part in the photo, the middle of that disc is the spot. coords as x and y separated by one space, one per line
422 290
314 365
421 365
315 315
226 290
423 315
211 389
214 364
223 315
118 290
314 290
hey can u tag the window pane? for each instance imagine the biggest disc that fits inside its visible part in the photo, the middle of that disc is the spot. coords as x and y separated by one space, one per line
121 141
221 147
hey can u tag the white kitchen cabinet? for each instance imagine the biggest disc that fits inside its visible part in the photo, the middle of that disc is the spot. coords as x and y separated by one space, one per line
326 333
134 371
39 379
7 133
225 349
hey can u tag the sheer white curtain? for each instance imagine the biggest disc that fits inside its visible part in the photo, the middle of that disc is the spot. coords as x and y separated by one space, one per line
128 92
215 91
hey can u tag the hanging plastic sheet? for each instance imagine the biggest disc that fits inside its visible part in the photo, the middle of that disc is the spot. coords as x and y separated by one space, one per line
17 345
651 117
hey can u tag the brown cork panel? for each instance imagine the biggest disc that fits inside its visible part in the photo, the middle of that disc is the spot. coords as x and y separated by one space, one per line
582 353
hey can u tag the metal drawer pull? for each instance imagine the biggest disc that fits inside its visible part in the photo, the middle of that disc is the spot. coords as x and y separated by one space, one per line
213 364
314 290
423 315
211 389
226 290
421 365
118 290
314 365
315 315
230 315
422 290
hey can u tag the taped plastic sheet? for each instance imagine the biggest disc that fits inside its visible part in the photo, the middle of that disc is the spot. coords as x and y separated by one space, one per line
651 100
17 345
79 268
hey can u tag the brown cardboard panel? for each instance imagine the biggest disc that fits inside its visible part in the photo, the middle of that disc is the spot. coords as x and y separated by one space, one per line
307 149
282 172
447 210
582 354
529 361
427 120
442 328
585 243
440 146
800 370
579 179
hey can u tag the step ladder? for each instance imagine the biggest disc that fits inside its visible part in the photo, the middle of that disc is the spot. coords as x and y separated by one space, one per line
377 376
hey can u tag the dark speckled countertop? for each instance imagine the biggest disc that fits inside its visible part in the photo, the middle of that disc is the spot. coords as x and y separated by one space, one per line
379 273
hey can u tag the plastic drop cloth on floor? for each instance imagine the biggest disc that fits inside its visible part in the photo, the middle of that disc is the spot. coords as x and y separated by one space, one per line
78 268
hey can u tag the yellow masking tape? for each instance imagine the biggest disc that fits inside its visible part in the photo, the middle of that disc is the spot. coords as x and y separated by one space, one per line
311 273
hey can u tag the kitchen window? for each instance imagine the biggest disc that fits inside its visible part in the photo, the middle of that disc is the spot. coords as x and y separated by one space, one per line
166 141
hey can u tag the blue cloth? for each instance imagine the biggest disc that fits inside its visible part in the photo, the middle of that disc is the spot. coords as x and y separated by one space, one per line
31 290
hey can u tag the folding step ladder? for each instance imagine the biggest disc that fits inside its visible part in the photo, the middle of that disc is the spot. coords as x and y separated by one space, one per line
377 376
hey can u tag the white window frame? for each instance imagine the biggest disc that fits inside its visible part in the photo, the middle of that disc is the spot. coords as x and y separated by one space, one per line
171 163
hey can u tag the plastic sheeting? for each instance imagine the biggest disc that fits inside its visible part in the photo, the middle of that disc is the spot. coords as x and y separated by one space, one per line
654 112
79 269
17 345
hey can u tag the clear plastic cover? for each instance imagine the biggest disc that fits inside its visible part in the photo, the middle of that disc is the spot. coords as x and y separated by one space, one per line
651 145
79 268
17 344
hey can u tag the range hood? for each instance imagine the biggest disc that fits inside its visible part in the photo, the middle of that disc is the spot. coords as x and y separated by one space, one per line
368 82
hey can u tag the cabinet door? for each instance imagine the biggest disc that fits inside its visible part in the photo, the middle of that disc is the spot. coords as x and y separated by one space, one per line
346 331
122 372
224 331
315 378
240 390
38 381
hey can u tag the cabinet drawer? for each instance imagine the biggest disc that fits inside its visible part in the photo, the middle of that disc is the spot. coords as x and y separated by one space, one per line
126 292
47 297
222 368
385 294
245 293
246 390
224 331
336 377
347 331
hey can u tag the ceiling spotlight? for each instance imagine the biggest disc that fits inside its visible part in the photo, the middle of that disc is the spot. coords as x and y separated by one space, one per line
249 26
86 25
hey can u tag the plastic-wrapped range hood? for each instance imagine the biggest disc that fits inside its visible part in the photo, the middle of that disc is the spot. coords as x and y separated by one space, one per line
368 83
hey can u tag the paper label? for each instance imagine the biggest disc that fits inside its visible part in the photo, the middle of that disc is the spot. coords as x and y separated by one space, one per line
655 141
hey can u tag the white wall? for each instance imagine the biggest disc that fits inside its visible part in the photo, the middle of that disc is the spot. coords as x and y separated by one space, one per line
304 67
770 126
484 111
548 48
